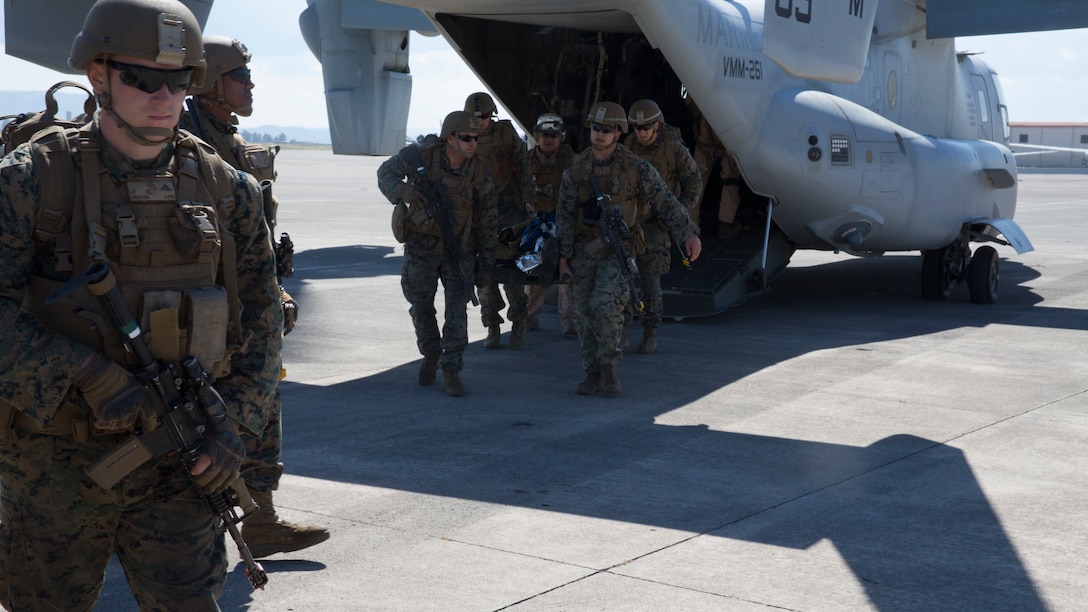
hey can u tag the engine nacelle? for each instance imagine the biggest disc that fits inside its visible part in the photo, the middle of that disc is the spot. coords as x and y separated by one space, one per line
848 179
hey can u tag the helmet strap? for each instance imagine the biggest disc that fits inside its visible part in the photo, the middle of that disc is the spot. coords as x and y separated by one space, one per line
221 102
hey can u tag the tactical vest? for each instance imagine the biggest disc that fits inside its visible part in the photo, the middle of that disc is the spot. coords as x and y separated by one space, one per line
497 155
161 232
256 159
460 192
549 176
617 179
661 155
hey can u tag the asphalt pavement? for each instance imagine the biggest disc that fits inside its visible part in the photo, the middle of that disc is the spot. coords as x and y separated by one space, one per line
836 444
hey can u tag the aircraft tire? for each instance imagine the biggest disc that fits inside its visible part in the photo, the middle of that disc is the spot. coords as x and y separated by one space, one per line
984 279
937 278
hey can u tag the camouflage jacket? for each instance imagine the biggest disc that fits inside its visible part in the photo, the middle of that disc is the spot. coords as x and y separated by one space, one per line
395 170
505 156
674 163
652 192
37 366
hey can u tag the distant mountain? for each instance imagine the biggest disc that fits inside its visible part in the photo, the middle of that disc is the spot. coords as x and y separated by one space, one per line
279 133
70 104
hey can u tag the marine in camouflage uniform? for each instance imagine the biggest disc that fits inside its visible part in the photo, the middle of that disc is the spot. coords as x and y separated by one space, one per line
651 140
66 392
212 116
548 160
601 290
503 153
470 203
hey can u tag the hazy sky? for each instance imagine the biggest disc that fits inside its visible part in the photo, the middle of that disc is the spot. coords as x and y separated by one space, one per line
1044 74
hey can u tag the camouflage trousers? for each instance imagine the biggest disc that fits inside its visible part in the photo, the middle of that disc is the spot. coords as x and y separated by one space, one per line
58 529
491 303
600 299
536 295
423 266
653 263
261 467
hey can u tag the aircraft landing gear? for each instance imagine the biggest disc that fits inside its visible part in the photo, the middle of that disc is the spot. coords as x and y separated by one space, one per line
943 268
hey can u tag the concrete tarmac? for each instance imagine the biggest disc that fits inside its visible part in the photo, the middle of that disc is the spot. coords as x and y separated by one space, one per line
836 444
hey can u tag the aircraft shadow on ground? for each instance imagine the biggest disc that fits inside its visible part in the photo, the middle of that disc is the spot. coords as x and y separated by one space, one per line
906 513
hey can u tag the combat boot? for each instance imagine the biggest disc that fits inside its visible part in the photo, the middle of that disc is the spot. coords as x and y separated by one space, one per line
610 380
517 334
267 534
591 384
493 335
454 386
649 341
427 371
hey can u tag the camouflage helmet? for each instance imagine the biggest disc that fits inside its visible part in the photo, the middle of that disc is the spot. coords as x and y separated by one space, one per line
480 104
460 121
550 121
222 54
643 112
608 113
162 31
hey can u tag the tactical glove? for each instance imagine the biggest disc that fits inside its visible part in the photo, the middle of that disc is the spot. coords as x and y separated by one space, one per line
116 400
290 311
226 451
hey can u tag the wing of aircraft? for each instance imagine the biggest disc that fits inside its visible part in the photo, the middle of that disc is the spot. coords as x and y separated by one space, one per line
41 31
856 125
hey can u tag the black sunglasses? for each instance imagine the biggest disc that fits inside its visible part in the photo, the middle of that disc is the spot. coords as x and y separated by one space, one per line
150 80
239 75
468 137
644 128
602 128
549 134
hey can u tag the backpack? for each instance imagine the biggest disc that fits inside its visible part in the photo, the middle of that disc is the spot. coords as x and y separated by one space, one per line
23 126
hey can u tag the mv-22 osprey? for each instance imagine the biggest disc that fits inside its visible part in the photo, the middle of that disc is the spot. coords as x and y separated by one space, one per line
853 130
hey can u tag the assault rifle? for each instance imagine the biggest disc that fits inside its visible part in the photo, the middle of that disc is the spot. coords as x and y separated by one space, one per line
438 207
284 249
613 229
185 405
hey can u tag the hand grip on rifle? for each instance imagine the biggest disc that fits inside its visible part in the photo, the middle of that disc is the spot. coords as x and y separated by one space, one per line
117 401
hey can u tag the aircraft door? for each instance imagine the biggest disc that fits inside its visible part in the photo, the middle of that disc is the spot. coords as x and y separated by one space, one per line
985 113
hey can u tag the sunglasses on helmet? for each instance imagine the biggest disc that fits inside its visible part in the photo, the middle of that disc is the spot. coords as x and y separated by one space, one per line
150 80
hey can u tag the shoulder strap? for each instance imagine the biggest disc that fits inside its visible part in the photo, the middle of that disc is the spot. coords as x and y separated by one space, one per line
51 153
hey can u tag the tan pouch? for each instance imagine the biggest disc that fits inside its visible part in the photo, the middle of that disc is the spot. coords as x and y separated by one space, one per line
209 314
400 222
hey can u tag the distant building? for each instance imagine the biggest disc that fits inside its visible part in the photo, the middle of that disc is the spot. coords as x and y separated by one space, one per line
1031 141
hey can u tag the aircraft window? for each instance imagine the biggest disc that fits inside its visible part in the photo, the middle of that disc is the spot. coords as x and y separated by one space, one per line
840 150
983 107
893 89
